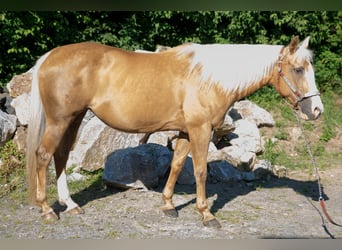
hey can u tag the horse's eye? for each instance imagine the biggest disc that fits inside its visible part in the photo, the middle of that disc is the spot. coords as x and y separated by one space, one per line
299 70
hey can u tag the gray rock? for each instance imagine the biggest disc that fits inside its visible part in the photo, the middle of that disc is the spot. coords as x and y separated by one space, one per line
21 104
20 138
263 169
130 167
222 171
5 103
246 136
8 126
250 111
95 142
76 177
239 158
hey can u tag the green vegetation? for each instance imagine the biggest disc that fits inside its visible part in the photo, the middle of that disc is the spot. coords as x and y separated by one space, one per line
12 169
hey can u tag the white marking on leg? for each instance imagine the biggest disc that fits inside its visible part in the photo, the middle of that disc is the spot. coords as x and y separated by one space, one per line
63 192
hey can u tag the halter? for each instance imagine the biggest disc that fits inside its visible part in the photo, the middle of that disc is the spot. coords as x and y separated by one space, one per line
299 96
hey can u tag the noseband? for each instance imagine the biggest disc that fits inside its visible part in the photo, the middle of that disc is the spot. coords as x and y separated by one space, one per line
299 96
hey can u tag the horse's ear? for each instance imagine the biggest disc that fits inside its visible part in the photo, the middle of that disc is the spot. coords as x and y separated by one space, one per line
305 43
294 44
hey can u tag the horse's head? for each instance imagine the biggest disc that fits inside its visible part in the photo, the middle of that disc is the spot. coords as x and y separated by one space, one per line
296 79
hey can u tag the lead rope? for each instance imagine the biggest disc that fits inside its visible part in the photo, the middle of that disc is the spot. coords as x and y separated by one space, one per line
321 199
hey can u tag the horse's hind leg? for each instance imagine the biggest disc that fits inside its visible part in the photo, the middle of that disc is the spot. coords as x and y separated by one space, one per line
61 157
51 139
182 149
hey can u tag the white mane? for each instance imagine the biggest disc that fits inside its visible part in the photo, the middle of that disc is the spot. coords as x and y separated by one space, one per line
234 67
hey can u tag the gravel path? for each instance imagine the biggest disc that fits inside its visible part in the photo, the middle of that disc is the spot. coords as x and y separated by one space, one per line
279 208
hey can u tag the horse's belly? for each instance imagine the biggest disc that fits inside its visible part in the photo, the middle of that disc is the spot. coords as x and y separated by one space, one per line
140 118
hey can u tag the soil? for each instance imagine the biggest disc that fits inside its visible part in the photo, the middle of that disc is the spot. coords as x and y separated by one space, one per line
284 207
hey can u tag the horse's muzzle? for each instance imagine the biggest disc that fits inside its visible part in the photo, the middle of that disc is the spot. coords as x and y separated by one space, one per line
311 108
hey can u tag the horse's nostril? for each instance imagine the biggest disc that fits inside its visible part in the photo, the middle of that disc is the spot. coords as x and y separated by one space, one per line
317 112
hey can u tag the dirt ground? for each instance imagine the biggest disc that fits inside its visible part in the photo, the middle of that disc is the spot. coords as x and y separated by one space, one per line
277 208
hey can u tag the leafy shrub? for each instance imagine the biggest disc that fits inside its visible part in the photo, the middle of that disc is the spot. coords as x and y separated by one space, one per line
12 168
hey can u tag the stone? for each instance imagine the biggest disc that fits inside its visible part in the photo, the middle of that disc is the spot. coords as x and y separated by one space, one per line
239 158
8 126
129 167
250 111
222 171
21 104
5 103
279 171
76 177
20 84
263 169
246 135
20 137
95 142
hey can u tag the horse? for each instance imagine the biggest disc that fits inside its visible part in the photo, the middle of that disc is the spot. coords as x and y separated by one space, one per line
187 88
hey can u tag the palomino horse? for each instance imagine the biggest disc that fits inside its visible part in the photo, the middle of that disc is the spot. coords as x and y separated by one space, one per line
188 88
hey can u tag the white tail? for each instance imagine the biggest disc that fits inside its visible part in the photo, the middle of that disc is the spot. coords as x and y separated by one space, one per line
36 127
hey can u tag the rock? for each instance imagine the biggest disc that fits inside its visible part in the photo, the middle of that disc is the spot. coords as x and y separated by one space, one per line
279 171
19 138
8 126
21 104
95 142
76 177
222 171
250 111
246 136
263 169
5 103
147 164
239 158
248 176
20 84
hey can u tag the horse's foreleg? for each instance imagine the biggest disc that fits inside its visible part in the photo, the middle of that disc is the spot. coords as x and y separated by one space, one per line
199 139
181 151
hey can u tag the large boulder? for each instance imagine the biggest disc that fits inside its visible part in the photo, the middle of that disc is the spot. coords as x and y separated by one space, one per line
95 142
145 164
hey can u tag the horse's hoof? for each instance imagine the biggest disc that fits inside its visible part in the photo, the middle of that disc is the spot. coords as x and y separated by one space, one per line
49 217
76 210
171 213
213 223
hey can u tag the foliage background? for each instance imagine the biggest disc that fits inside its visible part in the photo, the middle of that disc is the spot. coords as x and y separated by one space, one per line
24 36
